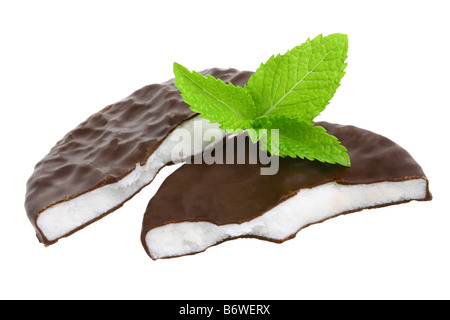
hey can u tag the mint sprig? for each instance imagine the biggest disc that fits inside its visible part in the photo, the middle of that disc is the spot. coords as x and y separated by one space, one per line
285 93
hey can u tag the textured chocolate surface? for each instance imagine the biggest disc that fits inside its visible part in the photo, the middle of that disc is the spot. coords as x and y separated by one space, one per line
235 193
109 144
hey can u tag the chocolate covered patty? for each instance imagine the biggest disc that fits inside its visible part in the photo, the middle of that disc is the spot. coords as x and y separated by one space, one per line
200 205
108 158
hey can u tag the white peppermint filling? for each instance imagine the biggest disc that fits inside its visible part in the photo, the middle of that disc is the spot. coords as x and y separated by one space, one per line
308 206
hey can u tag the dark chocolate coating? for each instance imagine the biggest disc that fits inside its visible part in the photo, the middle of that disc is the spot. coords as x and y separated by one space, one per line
235 193
109 144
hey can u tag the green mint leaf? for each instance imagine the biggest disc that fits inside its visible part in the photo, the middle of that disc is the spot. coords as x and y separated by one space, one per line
298 138
301 82
232 107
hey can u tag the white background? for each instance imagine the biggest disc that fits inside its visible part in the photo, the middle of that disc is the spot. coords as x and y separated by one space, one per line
61 61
